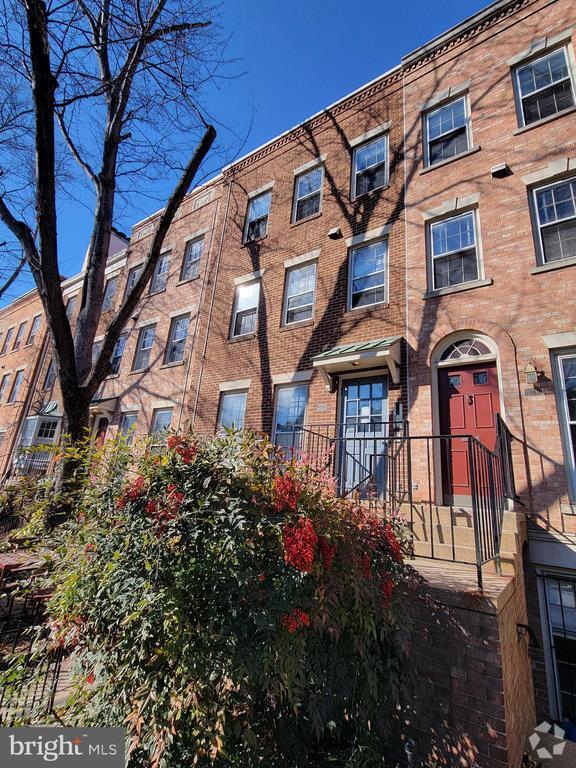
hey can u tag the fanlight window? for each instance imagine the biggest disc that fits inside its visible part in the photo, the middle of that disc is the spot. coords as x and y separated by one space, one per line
465 348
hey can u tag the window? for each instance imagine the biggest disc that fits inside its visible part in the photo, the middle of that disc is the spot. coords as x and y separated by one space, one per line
145 341
4 385
245 309
7 340
96 348
299 301
368 274
19 336
192 255
127 426
447 131
544 87
133 276
567 407
109 291
454 251
177 339
257 217
370 166
47 431
555 207
34 329
161 419
70 304
117 353
232 410
2 437
50 377
290 413
160 276
465 348
18 379
308 194
560 596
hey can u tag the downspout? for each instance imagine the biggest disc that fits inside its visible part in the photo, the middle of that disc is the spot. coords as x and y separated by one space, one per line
197 321
212 300
405 193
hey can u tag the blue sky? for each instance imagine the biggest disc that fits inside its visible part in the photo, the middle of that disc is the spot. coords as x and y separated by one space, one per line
292 57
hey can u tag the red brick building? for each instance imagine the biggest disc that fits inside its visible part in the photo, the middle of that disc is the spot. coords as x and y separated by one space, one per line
386 288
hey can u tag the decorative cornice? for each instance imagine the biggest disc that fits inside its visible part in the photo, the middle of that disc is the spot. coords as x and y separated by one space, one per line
460 34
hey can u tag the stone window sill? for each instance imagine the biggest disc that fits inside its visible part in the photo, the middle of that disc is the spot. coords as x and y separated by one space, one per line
187 280
560 264
442 163
369 310
294 326
458 288
173 365
545 121
139 370
371 193
244 337
308 218
254 241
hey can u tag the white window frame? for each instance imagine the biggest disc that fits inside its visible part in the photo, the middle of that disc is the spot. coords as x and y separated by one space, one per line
120 344
541 254
70 305
232 393
17 382
139 345
109 293
4 385
34 328
437 107
19 336
287 296
430 251
296 199
358 247
165 258
50 371
170 343
238 288
7 340
564 417
195 262
133 275
569 55
248 221
277 389
128 434
381 136
155 412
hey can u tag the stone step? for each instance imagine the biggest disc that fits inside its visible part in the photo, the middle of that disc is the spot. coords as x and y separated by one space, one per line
443 534
444 552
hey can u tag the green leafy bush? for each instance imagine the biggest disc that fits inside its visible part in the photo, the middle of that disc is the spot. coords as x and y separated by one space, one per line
228 608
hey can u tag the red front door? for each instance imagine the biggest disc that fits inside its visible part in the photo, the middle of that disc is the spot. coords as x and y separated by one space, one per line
469 402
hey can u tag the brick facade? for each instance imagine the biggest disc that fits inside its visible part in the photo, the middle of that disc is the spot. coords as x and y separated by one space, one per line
477 688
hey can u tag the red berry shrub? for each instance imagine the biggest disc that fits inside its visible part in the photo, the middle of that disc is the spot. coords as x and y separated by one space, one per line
233 608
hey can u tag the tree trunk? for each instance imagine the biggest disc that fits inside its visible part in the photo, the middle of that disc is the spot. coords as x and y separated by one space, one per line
70 473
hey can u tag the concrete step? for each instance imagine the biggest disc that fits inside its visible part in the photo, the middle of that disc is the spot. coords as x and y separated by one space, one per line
444 552
443 534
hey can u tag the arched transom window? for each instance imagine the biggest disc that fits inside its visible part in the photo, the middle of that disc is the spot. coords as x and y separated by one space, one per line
465 348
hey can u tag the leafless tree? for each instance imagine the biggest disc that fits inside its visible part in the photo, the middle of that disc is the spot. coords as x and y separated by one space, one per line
112 85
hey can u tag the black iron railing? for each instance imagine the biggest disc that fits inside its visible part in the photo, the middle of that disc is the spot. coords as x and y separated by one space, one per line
451 490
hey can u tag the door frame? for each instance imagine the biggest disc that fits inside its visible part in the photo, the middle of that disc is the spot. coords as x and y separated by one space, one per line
435 365
370 373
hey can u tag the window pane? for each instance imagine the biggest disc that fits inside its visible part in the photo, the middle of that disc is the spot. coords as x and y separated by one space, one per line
300 293
133 276
453 235
368 266
7 340
109 292
161 421
290 410
308 194
308 207
16 387
446 119
34 329
455 269
177 341
127 426
160 274
117 353
309 182
259 206
245 310
4 385
232 410
545 87
544 72
192 256
19 336
145 341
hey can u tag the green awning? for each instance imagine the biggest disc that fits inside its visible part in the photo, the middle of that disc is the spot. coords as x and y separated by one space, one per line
358 356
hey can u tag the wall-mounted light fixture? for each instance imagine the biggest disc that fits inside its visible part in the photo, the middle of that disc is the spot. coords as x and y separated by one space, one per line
335 233
531 374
